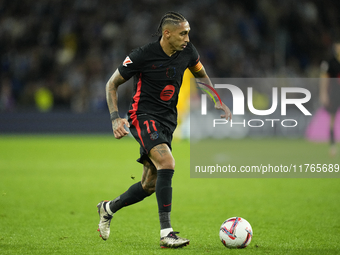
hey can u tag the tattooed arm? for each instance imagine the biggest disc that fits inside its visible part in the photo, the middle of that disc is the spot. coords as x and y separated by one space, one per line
201 74
112 102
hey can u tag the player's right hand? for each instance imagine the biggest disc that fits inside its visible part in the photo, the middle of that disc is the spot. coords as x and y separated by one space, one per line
118 128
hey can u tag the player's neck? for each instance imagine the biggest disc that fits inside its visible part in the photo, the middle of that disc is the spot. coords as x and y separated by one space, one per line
167 48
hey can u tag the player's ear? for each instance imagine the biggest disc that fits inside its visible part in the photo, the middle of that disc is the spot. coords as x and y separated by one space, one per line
166 33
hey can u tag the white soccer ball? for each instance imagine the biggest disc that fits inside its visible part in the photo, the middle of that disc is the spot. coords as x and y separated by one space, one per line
236 232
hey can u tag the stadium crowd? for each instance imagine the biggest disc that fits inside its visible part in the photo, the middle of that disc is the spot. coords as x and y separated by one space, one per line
69 48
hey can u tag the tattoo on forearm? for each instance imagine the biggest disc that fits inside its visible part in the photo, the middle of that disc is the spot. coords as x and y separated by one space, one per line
111 91
111 98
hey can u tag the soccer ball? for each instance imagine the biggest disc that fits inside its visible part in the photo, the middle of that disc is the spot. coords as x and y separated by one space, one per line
236 232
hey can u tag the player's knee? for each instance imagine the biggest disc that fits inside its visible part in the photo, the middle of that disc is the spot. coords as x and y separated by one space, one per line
149 186
150 189
168 163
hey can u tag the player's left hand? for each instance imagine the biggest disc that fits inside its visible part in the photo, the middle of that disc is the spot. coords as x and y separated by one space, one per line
227 113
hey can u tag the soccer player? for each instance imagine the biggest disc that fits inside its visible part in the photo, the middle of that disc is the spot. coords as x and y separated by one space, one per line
330 90
158 69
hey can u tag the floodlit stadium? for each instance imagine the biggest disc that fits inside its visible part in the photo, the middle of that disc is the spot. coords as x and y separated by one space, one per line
275 163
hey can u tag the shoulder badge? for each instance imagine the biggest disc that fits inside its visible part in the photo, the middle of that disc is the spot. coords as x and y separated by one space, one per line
127 61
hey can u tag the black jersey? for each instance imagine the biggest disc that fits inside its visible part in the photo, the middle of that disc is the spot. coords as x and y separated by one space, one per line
157 80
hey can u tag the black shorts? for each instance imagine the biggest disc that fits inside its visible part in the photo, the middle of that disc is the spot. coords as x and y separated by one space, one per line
149 132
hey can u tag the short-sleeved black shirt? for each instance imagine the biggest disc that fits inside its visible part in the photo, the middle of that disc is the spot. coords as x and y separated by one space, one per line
157 80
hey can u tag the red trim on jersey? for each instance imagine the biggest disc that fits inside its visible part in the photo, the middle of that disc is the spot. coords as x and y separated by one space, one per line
136 98
134 109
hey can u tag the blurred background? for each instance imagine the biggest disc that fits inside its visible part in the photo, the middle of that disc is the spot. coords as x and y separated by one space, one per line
56 56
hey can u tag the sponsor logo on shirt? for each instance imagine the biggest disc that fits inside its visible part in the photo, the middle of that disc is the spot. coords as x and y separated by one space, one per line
167 92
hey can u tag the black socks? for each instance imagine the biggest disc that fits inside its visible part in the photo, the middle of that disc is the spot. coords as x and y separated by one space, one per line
133 195
136 194
164 196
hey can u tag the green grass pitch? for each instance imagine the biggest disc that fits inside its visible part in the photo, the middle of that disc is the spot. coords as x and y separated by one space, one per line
50 186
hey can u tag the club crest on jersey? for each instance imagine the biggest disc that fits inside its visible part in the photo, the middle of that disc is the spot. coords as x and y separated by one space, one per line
154 135
171 72
127 61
